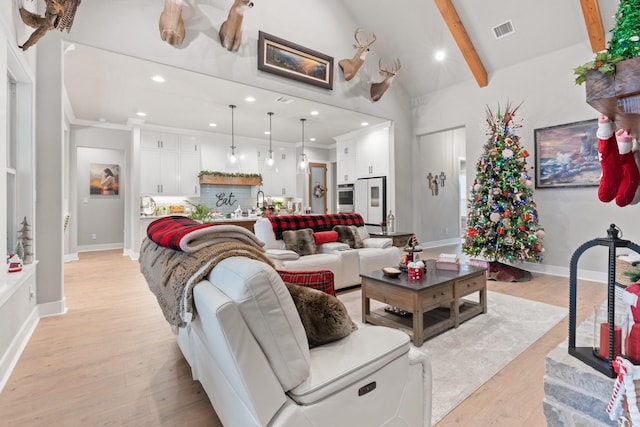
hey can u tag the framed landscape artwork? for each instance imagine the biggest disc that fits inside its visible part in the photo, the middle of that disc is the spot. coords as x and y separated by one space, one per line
287 59
567 155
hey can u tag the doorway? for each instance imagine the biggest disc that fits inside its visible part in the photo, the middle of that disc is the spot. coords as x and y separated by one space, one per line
318 188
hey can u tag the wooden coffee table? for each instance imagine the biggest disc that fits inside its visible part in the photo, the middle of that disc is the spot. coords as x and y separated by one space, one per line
434 304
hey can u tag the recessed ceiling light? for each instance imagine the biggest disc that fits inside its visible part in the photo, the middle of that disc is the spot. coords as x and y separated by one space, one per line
250 99
213 125
141 114
158 78
439 55
312 139
364 124
266 132
314 113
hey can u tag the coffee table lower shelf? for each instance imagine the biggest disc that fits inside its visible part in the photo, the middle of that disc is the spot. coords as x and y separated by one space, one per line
434 321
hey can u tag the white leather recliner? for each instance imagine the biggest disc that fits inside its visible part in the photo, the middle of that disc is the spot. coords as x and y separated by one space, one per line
248 348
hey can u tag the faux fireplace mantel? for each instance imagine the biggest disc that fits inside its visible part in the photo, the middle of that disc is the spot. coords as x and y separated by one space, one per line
617 96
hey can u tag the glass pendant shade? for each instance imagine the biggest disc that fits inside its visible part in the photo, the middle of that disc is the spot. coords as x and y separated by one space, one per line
270 160
233 161
303 161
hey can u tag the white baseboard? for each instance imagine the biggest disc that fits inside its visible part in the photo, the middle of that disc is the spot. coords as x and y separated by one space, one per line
101 247
131 254
12 355
54 308
71 257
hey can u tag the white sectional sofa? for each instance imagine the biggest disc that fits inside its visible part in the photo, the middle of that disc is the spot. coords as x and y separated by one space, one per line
345 262
248 348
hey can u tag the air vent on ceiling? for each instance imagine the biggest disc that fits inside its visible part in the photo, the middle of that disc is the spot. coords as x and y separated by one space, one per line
284 100
503 30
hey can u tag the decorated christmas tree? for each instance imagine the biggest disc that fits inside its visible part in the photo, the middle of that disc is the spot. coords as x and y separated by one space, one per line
625 35
502 219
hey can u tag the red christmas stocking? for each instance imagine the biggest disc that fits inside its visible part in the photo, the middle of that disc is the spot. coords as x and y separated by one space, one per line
611 170
630 174
636 155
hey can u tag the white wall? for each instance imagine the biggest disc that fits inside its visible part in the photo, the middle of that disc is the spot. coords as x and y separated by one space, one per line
99 216
546 85
439 218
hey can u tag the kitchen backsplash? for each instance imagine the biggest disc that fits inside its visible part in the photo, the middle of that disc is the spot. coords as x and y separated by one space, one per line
227 198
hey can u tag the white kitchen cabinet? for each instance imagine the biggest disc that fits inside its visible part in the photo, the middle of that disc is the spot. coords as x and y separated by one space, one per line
190 166
372 154
169 164
346 161
167 142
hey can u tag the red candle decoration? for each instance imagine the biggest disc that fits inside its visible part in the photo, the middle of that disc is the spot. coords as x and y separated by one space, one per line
604 341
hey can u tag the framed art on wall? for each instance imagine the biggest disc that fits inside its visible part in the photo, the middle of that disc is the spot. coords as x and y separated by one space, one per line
287 59
567 155
104 179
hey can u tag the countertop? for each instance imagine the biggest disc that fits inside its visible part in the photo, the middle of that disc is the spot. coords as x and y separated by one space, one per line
244 218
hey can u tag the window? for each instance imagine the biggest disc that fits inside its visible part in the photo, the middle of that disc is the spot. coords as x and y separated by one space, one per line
12 222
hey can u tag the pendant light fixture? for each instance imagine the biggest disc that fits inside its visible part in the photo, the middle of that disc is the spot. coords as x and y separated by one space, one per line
303 162
233 162
270 160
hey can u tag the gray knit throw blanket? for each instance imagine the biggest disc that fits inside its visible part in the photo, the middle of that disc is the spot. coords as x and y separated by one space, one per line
171 275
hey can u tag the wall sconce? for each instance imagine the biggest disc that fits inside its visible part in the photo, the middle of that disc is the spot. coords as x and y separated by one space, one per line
435 181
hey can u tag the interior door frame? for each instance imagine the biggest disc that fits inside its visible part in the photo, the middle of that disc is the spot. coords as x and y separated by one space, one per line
322 166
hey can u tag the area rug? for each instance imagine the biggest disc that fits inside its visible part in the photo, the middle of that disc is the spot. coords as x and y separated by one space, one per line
463 359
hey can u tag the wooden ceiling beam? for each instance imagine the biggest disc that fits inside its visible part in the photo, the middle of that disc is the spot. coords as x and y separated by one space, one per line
593 22
459 33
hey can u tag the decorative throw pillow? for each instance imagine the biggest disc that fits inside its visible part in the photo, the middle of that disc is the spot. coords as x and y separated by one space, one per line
349 234
322 280
322 237
300 241
324 317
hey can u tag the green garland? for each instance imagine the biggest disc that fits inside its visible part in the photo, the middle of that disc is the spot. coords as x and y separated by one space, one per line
230 174
624 43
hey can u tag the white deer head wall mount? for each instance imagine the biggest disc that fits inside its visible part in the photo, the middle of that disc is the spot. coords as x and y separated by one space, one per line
378 89
171 23
231 29
351 66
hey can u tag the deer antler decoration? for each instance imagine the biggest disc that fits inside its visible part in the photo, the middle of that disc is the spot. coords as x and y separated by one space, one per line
171 23
59 14
231 29
351 66
378 89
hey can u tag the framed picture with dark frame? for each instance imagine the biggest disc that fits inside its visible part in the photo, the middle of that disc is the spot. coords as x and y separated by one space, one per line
287 59
567 155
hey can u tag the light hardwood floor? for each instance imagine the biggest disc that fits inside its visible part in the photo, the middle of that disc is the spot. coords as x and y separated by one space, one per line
111 360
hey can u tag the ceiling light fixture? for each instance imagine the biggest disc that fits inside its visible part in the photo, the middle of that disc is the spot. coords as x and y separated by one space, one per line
141 114
250 99
440 55
213 125
314 113
364 124
270 161
232 165
158 78
303 162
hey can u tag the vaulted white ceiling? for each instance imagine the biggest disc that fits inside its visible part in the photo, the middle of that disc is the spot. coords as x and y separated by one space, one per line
409 30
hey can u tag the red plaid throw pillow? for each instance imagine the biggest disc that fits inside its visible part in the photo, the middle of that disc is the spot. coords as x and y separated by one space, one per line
321 280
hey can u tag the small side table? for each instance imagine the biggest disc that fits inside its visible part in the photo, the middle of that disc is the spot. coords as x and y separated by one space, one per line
399 238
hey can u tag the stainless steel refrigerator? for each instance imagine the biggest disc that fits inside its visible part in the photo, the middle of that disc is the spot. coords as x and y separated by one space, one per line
371 199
